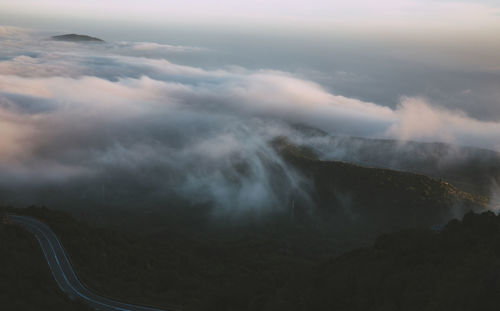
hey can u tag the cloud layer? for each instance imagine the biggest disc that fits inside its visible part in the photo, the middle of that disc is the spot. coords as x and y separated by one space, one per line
112 113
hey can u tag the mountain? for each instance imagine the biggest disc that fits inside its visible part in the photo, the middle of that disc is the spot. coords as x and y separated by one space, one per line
76 38
281 259
455 269
376 199
472 169
220 268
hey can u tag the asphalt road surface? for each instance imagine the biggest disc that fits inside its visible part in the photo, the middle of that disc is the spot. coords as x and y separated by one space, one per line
63 271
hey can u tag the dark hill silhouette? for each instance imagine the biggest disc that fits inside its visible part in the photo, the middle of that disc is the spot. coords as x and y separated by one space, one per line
472 169
76 38
456 269
380 199
286 259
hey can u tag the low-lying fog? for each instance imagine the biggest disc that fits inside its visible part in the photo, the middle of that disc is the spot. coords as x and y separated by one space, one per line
121 122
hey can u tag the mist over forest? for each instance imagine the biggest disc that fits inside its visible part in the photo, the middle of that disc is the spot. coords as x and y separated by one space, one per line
112 124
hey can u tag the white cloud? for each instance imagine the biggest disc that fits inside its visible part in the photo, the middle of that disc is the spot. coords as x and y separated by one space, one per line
153 46
74 111
418 120
10 31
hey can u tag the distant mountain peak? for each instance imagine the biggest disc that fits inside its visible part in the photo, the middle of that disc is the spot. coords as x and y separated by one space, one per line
76 38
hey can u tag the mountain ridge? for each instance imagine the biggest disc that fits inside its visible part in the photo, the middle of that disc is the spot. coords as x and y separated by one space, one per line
76 38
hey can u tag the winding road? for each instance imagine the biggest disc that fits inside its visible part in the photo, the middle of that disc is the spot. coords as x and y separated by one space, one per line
63 271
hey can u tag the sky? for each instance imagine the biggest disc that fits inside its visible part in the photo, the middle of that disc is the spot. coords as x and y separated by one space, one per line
314 11
182 95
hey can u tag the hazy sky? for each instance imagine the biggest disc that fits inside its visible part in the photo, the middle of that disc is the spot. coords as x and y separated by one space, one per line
479 12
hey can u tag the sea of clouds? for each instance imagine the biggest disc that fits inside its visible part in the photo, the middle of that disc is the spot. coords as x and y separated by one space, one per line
118 119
